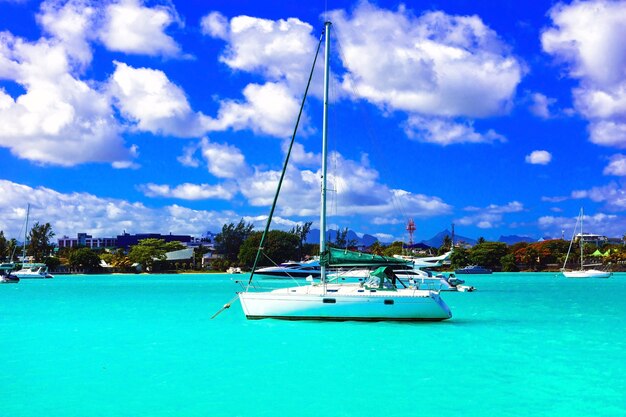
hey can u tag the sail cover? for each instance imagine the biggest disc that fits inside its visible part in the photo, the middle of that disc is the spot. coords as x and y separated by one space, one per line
344 257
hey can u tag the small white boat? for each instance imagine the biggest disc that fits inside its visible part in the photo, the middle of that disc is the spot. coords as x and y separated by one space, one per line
233 270
33 270
587 273
582 272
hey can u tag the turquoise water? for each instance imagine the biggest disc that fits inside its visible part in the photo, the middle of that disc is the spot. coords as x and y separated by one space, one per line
140 345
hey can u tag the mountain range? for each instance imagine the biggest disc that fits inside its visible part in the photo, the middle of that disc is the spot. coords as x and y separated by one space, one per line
435 241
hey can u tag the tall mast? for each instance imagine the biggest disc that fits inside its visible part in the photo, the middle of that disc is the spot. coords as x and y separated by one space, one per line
324 147
25 234
581 238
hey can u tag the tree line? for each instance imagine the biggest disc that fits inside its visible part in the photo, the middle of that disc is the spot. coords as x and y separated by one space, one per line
237 244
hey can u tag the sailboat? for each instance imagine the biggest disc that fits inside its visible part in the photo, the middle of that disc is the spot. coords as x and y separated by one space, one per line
382 297
582 272
29 269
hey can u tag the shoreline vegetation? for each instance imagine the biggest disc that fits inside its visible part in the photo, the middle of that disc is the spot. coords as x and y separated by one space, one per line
236 244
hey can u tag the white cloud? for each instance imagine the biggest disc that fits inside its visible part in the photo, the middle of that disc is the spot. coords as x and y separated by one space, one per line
189 191
70 22
224 161
609 225
433 64
269 109
539 158
588 37
490 216
354 189
76 212
215 24
280 50
616 166
131 28
541 105
59 119
148 98
444 132
613 195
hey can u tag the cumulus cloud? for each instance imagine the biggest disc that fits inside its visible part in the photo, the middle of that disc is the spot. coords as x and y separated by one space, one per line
267 109
69 213
541 105
491 216
59 119
587 37
132 28
69 22
148 98
354 189
539 158
443 131
616 166
433 64
613 195
188 191
280 50
609 225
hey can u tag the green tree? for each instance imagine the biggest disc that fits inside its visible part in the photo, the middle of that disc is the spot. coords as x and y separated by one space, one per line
376 248
232 236
301 232
445 245
84 258
149 252
508 263
279 247
488 254
4 246
459 258
480 240
120 261
396 248
198 253
40 245
52 262
11 248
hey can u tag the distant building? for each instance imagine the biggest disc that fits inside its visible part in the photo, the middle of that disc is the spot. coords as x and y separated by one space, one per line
126 240
88 241
592 239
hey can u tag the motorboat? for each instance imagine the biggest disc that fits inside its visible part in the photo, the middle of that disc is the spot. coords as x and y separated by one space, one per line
233 270
473 269
6 277
33 270
291 270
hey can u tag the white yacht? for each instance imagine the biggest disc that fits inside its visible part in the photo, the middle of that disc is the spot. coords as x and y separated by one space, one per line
382 297
582 272
33 270
291 269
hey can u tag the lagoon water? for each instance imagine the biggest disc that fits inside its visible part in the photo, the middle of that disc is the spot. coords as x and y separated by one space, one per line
144 345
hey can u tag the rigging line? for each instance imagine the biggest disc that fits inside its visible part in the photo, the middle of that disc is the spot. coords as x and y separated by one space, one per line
282 175
286 272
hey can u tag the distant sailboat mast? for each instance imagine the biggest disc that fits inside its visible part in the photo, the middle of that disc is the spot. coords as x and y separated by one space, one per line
324 149
25 234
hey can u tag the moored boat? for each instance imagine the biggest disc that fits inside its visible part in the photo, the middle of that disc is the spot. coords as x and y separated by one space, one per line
473 269
384 299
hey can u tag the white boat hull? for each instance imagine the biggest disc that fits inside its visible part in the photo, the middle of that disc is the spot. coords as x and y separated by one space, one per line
590 273
343 302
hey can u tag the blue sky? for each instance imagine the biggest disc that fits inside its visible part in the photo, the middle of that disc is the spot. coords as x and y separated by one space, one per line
502 117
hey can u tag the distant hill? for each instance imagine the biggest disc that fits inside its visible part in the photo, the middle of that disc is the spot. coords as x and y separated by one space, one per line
437 240
513 239
366 240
